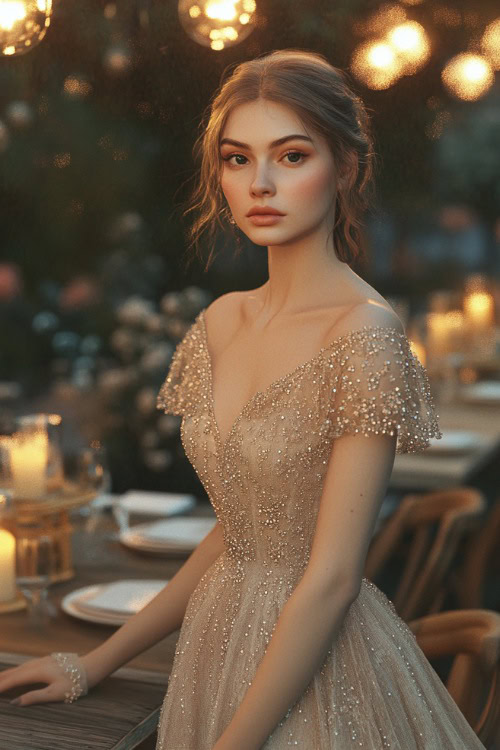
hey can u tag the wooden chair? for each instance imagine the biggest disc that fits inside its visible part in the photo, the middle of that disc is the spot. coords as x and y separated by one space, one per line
425 530
472 636
481 558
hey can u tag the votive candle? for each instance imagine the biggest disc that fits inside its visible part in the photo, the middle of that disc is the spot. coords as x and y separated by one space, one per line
7 566
28 460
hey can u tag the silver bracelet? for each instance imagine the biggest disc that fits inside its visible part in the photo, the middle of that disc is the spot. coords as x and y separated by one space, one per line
73 666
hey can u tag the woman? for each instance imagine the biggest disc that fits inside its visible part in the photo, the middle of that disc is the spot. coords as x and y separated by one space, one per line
295 398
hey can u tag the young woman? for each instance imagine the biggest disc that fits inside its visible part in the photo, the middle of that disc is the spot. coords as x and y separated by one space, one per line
295 398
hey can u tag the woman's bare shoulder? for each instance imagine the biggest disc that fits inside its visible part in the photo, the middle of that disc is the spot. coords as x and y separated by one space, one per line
366 312
223 315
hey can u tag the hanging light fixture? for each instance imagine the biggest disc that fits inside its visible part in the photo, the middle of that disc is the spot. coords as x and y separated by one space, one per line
217 23
468 76
23 25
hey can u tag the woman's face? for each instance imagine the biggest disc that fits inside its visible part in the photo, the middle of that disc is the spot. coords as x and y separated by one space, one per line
270 161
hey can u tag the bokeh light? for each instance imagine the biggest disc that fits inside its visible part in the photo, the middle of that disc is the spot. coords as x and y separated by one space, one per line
490 43
468 76
376 64
411 44
218 23
23 25
385 17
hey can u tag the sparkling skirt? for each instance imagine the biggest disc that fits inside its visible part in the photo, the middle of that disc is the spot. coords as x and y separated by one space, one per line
375 689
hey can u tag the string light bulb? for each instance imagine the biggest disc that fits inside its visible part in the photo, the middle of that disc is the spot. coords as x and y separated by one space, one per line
411 44
468 76
23 25
376 64
217 23
490 43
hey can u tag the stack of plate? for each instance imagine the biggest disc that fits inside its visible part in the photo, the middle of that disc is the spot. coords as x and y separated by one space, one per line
111 603
169 536
455 442
484 392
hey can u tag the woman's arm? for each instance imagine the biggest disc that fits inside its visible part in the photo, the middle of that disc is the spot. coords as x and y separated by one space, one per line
355 484
162 616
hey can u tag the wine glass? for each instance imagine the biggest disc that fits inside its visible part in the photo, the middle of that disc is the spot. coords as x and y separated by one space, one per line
93 472
34 566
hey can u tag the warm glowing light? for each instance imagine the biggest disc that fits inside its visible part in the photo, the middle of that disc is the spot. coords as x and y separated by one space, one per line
468 76
490 43
217 23
376 65
74 86
23 24
383 18
222 10
11 12
411 44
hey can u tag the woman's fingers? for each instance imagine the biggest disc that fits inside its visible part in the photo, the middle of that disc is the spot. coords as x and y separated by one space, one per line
45 695
14 677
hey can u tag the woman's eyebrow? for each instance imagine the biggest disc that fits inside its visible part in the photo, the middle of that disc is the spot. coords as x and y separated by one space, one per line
278 142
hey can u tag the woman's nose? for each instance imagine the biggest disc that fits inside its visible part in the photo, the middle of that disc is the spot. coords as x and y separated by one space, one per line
262 183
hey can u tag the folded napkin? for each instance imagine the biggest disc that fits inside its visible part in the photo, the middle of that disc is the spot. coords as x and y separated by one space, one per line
156 503
123 598
173 532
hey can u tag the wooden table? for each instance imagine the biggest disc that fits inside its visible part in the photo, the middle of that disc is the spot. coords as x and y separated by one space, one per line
123 710
428 471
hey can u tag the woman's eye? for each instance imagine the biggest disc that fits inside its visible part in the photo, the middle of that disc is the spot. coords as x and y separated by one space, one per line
293 154
235 156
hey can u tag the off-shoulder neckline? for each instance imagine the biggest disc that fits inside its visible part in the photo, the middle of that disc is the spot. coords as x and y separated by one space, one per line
287 376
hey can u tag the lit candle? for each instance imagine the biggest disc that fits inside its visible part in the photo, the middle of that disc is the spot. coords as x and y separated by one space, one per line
479 310
418 350
28 461
437 334
7 566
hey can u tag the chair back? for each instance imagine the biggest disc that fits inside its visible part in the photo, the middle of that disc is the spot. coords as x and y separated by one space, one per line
472 636
481 558
435 522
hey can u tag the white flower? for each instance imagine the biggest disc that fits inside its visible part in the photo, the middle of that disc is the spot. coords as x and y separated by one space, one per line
158 460
115 378
168 424
156 357
135 311
145 400
171 303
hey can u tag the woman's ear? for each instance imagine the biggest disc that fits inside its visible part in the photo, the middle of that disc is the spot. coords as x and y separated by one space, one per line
349 172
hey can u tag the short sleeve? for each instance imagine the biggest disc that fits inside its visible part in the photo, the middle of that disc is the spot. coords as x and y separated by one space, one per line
180 392
382 388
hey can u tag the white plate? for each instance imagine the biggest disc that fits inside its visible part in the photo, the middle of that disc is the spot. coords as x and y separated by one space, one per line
121 598
156 503
168 535
68 605
455 441
486 392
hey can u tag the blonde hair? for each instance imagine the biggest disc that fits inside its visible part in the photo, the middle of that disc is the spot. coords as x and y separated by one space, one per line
319 94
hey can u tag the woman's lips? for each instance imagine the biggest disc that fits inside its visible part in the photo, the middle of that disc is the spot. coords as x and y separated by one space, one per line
264 220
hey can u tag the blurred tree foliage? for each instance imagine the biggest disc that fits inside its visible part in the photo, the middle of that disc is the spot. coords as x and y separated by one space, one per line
126 144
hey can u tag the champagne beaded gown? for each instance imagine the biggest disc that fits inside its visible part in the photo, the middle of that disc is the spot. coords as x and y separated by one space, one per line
375 689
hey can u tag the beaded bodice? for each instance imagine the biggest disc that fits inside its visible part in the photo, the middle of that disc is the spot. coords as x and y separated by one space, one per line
265 478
